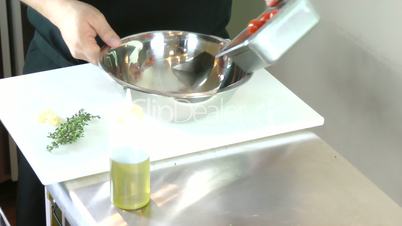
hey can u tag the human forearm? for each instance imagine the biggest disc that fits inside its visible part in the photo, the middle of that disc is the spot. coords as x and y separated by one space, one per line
79 24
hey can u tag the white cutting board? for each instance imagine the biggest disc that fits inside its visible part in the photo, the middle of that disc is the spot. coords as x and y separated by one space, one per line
262 107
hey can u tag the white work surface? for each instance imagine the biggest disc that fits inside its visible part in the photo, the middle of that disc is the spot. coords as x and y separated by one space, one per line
262 107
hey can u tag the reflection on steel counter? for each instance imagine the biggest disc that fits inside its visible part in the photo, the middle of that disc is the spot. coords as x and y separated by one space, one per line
291 179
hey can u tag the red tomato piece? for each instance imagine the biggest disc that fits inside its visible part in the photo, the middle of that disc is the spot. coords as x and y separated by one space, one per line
273 13
268 15
265 17
251 30
272 3
254 25
256 22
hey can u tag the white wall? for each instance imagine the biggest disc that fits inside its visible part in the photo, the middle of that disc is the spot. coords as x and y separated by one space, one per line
349 69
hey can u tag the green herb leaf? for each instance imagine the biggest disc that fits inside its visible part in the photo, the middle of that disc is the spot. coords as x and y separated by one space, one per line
71 130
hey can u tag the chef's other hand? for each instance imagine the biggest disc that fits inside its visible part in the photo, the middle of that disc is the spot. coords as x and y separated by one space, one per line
79 24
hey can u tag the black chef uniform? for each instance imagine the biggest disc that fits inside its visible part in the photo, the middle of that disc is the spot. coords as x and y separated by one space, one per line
48 51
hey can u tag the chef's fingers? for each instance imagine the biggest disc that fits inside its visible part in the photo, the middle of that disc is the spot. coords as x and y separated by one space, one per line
105 32
92 52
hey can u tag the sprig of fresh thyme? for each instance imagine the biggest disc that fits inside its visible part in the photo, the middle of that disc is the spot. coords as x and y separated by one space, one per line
71 130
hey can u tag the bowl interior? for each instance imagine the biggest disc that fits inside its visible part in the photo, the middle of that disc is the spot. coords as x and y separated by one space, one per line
172 63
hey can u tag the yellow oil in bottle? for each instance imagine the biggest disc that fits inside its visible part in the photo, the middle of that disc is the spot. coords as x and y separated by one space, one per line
129 179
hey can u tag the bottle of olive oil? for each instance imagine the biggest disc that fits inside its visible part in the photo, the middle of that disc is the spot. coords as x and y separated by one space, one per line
129 160
129 178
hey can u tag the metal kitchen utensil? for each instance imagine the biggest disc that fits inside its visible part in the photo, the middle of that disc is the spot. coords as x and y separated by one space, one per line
291 20
201 63
267 38
145 62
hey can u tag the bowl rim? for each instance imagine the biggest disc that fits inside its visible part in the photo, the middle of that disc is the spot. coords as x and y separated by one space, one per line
106 49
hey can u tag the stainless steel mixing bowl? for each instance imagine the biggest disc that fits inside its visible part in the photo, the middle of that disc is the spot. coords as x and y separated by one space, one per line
174 64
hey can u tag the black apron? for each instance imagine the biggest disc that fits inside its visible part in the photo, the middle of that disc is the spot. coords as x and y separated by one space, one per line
48 51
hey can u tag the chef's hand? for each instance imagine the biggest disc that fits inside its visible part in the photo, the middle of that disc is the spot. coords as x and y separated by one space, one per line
79 24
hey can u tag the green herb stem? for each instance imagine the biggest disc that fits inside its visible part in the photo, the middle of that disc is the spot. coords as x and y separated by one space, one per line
71 130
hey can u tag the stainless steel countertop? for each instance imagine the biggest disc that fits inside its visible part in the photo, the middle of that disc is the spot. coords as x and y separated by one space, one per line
291 179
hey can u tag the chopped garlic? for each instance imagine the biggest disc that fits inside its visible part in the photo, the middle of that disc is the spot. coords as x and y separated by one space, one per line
49 117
